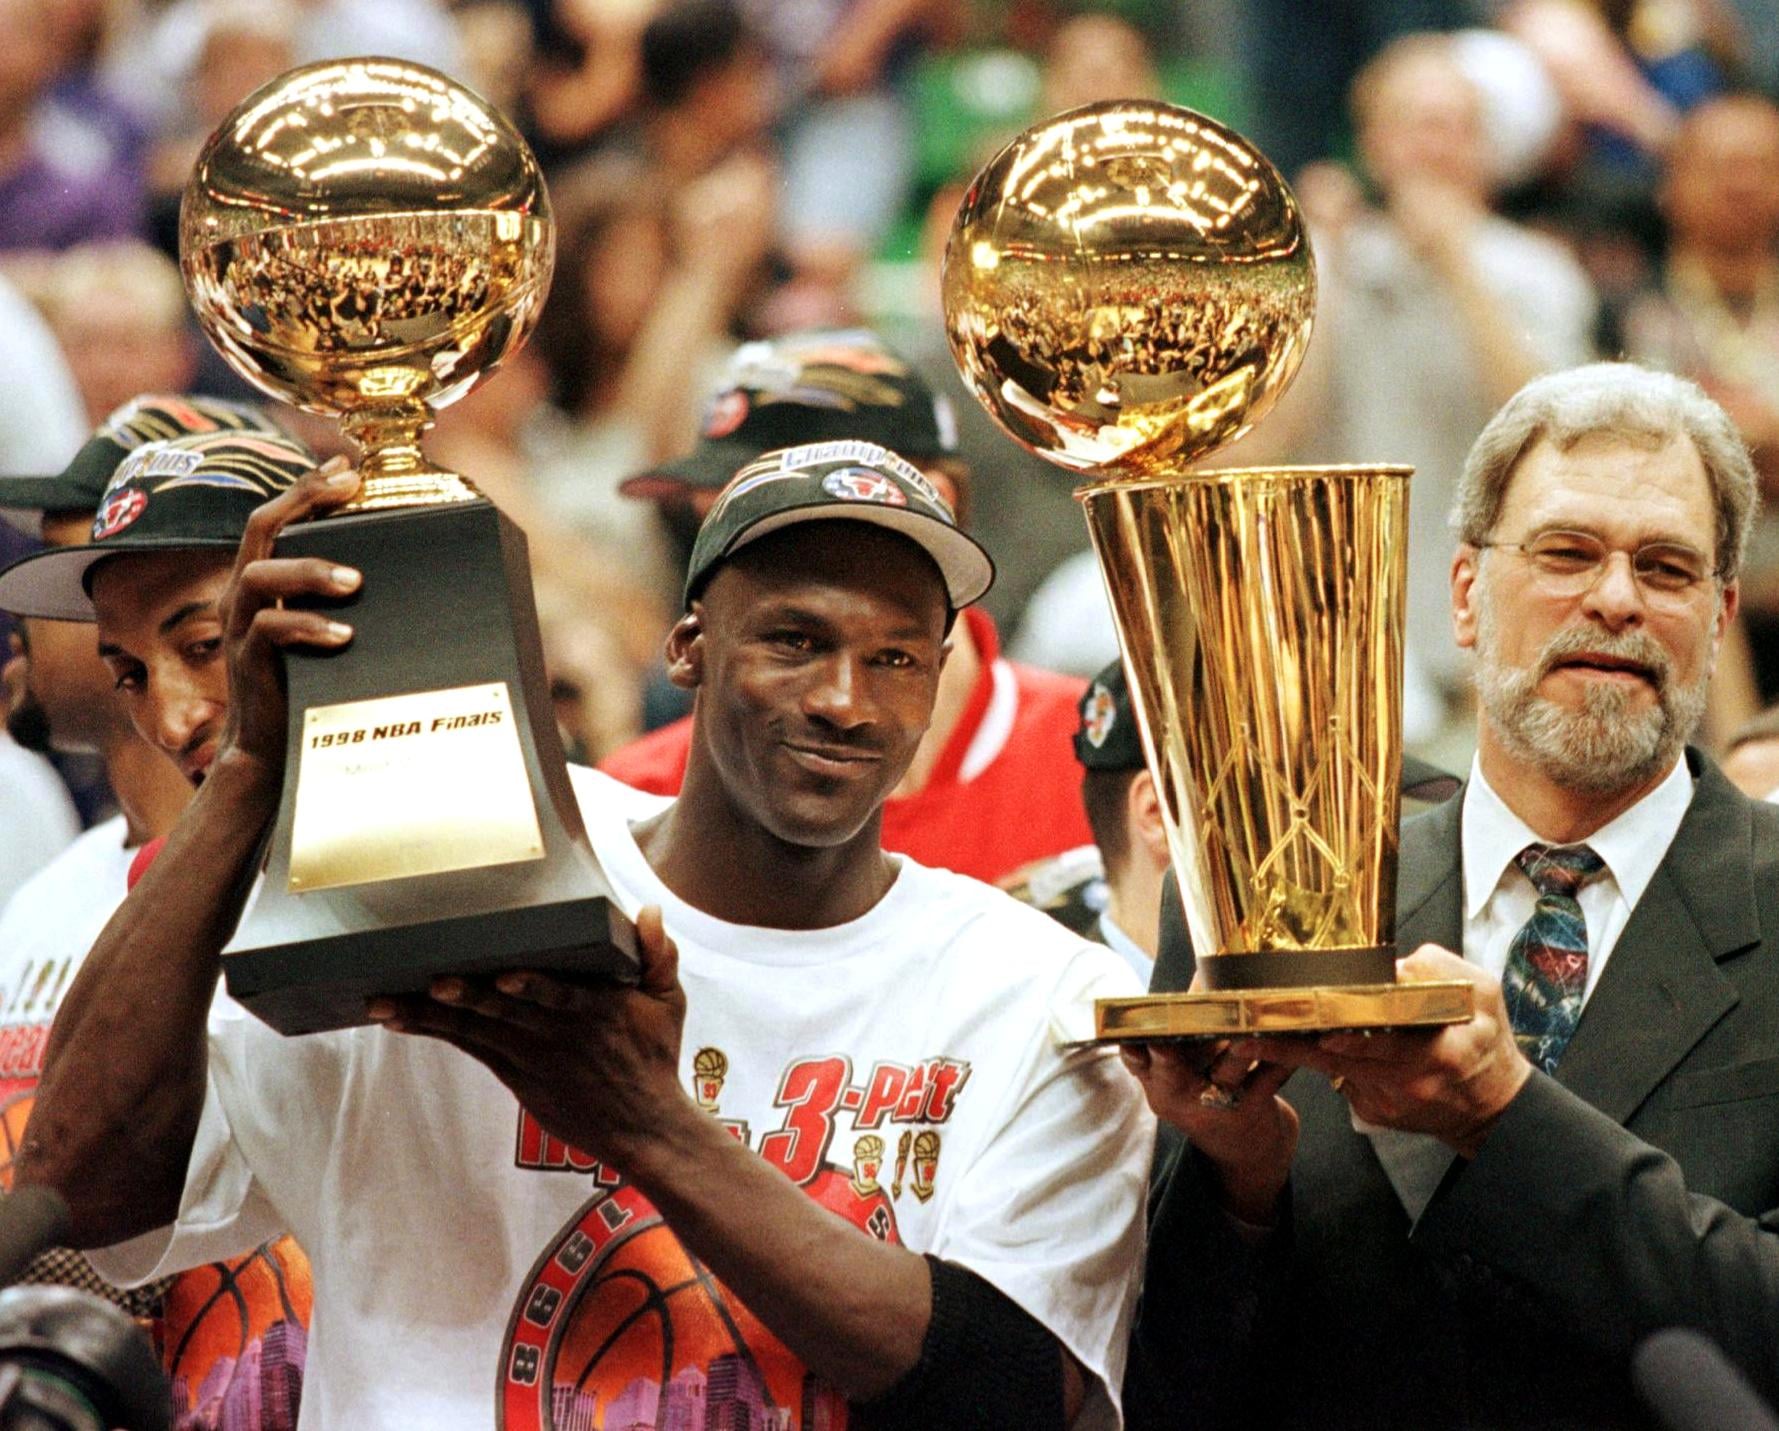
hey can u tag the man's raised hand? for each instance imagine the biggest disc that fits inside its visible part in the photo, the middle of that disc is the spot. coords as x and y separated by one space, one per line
596 1063
257 623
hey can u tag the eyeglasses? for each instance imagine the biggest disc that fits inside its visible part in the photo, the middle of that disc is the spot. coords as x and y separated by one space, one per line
1569 563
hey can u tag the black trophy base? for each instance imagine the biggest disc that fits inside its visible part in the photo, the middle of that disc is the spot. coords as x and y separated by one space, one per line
324 983
427 825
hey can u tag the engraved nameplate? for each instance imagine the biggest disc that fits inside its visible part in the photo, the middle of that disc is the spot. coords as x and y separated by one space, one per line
411 785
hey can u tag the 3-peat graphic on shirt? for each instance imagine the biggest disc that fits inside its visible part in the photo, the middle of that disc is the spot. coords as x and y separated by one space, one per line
618 1325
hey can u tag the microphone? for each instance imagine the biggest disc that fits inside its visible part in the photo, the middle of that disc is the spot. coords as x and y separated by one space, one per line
70 1362
32 1220
1690 1385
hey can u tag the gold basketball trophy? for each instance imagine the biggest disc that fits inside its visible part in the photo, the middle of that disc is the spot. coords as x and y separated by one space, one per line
1127 288
367 239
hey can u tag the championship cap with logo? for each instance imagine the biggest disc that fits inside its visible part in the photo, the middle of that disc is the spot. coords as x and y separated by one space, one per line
150 417
1107 737
185 494
819 386
847 481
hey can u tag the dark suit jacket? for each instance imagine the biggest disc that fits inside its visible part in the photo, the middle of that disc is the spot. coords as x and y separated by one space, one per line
1637 1189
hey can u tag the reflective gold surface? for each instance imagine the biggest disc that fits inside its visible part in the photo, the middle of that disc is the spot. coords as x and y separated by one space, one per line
1260 614
410 785
368 239
1128 287
1234 1012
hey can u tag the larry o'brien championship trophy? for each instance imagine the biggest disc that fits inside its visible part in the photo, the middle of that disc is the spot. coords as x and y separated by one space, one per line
1127 288
368 239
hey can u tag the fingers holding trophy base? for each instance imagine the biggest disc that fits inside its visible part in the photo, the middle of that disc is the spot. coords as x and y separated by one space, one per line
1128 287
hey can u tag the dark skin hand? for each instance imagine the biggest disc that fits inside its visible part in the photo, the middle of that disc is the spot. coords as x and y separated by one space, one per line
124 1073
1453 1083
1226 1101
598 1066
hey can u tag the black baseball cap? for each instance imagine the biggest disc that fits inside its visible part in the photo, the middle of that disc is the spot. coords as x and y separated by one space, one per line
148 417
1107 737
820 386
185 494
847 481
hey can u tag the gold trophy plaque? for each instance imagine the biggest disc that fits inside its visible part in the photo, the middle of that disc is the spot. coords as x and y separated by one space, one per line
367 239
1127 288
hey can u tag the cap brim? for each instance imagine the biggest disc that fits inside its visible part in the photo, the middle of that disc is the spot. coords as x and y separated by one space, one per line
52 584
24 500
707 467
968 570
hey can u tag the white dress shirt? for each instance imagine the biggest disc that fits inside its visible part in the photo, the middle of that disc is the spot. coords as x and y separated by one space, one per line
1499 898
1127 949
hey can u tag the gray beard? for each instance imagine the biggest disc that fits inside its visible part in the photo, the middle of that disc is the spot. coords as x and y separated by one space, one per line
1606 746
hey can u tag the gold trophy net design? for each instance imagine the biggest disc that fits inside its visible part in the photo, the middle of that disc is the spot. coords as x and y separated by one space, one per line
1129 287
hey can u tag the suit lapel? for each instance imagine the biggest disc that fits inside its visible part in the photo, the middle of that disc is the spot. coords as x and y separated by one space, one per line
1662 990
1430 880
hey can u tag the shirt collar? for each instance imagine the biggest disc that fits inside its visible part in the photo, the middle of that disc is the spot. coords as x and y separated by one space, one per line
1632 844
1123 945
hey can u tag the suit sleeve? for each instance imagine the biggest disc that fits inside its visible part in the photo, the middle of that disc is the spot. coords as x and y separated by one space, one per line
1604 1237
1197 1354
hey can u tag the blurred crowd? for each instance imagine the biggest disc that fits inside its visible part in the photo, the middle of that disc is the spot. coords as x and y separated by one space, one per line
1494 187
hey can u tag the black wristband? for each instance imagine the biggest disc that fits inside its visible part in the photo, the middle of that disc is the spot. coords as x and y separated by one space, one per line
986 1364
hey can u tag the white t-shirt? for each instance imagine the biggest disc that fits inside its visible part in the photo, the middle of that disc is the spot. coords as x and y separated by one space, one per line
37 817
46 929
906 1068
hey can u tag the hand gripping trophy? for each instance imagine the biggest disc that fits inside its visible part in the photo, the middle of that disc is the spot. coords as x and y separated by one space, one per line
1128 287
367 239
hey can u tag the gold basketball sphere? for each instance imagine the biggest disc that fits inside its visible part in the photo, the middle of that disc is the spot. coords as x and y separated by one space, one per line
366 238
1127 287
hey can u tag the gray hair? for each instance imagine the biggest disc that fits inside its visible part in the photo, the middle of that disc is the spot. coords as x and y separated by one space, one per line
1619 400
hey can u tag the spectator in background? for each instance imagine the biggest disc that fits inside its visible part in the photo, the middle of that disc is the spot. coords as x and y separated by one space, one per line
991 786
63 180
119 312
1096 57
707 90
41 422
1111 890
1432 312
240 45
157 53
588 75
1715 316
1751 756
847 136
37 818
648 288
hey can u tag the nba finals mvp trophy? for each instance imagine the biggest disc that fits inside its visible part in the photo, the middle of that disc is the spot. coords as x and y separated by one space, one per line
367 239
1127 288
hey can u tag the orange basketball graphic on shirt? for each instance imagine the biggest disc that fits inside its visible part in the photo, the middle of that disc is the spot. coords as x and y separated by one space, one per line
233 1339
619 1326
15 1112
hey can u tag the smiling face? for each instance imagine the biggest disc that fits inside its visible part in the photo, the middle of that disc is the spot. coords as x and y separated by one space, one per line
1598 690
816 654
160 634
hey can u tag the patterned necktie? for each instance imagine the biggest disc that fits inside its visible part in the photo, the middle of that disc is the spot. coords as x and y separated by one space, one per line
1547 963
